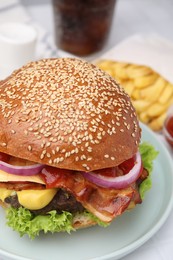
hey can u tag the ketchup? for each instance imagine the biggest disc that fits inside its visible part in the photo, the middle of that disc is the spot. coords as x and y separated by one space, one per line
168 130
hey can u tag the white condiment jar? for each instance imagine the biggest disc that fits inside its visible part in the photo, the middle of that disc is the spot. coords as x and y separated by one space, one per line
17 45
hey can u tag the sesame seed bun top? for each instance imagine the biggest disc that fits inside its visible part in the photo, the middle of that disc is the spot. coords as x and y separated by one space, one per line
67 113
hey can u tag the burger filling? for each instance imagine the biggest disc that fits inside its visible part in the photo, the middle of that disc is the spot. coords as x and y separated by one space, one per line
56 192
66 190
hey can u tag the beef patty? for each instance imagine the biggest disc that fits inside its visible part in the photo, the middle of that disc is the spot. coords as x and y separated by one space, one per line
62 201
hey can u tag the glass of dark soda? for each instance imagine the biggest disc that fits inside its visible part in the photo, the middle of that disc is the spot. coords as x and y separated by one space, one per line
82 26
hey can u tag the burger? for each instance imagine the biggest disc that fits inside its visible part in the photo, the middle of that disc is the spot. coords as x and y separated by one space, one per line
70 152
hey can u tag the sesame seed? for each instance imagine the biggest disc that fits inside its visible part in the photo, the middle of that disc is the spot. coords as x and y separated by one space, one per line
76 158
83 157
13 131
48 144
89 149
41 156
29 148
53 152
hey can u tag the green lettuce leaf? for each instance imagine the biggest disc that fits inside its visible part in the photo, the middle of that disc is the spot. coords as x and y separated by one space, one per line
148 154
23 221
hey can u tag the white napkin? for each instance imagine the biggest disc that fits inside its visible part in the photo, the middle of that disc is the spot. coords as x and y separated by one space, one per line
151 50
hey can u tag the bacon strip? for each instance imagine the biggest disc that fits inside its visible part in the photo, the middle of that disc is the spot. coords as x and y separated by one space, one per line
18 186
103 203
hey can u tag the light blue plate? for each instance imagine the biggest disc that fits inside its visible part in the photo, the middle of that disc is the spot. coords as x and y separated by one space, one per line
123 236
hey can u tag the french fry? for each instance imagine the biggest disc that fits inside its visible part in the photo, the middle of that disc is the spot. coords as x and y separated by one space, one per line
110 72
136 94
157 123
121 65
143 82
144 117
154 91
141 105
167 93
135 71
119 70
170 102
156 110
121 73
128 86
105 64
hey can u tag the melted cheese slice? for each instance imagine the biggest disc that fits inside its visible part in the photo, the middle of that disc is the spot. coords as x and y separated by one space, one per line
6 177
4 193
31 199
35 199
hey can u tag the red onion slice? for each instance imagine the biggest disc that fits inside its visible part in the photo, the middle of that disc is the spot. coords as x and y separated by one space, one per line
119 182
28 170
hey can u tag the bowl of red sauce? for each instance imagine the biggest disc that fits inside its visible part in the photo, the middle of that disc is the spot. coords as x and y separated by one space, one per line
168 129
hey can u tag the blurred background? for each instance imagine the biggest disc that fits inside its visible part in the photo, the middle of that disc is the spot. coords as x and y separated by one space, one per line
131 17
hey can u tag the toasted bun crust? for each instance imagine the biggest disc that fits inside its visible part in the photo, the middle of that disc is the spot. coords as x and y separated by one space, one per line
67 113
82 221
3 204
